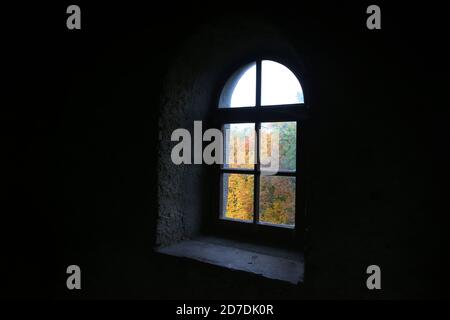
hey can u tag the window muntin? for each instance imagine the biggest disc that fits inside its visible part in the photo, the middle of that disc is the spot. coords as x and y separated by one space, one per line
251 191
242 184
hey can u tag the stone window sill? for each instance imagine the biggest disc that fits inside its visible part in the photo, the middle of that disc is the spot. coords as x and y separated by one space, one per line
269 262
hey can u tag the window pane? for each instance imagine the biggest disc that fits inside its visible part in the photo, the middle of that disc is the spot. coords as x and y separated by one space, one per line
278 145
240 89
279 85
239 145
237 196
277 200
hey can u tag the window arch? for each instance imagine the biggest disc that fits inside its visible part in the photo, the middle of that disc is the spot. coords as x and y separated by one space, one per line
261 109
278 86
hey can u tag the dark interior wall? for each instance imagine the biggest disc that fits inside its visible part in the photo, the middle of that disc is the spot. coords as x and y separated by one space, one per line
82 187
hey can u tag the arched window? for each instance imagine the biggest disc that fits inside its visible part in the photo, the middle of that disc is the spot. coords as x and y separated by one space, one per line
278 86
261 109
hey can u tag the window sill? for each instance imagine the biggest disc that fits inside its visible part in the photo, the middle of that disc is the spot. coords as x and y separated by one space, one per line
272 263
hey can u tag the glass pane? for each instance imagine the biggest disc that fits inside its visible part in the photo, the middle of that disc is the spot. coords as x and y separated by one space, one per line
239 145
277 200
278 146
279 85
240 89
237 196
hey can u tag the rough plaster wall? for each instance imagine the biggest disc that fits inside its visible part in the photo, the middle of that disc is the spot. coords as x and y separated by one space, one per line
185 99
188 95
177 100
